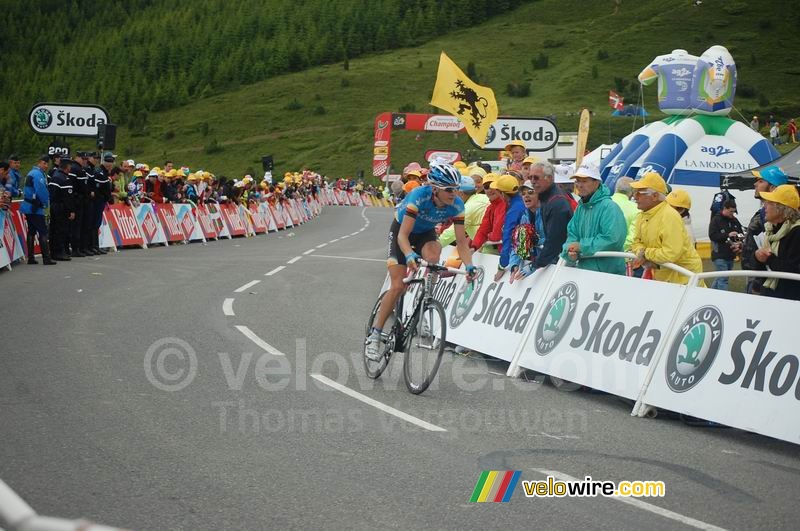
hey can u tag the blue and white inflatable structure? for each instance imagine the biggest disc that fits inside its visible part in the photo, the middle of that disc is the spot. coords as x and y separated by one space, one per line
697 142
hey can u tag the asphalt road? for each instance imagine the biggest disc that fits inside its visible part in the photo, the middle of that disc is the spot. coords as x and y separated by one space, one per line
252 440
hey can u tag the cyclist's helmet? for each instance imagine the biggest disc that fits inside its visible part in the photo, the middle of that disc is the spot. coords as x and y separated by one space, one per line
444 176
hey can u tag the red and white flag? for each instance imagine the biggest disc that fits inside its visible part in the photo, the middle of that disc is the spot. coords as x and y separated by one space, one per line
615 100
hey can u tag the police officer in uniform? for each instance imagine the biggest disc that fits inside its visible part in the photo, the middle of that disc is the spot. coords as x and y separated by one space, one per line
101 191
62 209
35 200
77 179
87 239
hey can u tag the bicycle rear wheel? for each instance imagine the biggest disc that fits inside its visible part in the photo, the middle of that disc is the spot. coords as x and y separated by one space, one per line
424 346
375 368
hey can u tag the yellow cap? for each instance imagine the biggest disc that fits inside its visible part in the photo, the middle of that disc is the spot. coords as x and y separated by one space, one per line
477 171
459 164
785 194
415 173
651 180
137 173
192 177
505 183
679 199
530 160
490 177
513 143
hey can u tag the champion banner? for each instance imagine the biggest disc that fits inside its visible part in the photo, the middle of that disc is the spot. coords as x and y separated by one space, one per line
473 104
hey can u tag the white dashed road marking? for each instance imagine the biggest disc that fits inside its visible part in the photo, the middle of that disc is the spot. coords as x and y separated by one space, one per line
249 334
295 259
227 307
350 258
276 270
309 251
320 246
246 286
379 405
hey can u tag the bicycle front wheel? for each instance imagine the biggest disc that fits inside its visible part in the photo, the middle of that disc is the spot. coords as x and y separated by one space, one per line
374 369
425 346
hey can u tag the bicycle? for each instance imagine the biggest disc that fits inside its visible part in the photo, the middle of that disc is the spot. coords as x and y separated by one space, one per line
419 331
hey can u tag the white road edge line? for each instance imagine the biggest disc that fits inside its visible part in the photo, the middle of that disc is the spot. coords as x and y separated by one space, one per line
249 334
308 252
354 233
246 286
344 237
334 240
379 405
666 513
351 258
320 246
276 270
295 259
227 307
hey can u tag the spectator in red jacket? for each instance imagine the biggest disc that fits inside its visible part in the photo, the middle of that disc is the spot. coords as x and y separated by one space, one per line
489 237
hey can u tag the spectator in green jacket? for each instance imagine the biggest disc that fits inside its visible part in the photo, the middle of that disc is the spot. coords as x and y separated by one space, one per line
597 225
622 197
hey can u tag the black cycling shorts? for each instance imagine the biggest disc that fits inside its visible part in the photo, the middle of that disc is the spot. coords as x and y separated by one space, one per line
395 255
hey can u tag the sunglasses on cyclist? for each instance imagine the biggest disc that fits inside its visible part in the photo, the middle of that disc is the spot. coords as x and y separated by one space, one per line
449 189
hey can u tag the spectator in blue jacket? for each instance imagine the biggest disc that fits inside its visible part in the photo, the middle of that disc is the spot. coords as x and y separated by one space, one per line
598 225
36 199
13 183
509 185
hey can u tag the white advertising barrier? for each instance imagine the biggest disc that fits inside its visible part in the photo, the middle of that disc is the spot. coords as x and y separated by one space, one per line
188 222
734 359
5 259
490 316
267 213
216 218
600 330
151 229
105 238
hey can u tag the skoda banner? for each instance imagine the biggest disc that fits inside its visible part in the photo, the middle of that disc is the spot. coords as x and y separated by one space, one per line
594 330
538 134
66 119
734 362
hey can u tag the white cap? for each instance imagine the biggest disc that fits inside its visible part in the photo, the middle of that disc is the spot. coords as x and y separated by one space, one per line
563 172
130 162
589 170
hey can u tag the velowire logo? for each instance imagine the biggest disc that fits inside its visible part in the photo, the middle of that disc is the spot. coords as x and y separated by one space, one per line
694 348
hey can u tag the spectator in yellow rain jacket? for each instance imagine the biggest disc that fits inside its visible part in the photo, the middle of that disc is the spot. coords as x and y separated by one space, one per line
474 207
660 234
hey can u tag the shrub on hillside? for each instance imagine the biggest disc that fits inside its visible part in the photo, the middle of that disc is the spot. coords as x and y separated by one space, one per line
541 62
519 90
293 105
213 147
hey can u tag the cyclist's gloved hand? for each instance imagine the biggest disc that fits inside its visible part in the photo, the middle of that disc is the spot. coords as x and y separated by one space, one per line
472 272
412 260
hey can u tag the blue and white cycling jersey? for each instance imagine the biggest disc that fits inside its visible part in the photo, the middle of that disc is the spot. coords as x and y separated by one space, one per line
419 205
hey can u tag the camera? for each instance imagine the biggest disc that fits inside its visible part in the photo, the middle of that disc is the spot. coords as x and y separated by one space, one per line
735 239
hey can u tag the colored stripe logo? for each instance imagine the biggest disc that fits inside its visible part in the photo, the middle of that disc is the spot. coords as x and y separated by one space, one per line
495 486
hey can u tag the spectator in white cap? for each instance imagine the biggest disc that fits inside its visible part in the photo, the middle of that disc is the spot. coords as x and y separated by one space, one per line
597 225
563 179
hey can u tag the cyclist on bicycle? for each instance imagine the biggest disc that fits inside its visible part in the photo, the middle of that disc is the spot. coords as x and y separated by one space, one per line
413 233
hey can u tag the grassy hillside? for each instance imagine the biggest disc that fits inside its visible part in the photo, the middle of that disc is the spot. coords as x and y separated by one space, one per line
323 117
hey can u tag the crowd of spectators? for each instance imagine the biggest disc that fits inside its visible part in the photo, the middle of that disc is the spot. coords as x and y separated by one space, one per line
534 213
63 199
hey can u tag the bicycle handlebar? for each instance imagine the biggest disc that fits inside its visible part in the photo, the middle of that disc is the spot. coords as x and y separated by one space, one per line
437 268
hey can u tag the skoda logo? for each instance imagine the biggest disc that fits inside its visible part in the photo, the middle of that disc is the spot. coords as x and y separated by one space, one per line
42 118
555 321
693 351
465 297
491 134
